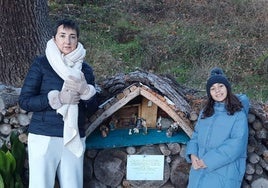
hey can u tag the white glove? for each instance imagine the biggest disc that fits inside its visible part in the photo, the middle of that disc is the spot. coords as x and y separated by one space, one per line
58 98
69 97
76 84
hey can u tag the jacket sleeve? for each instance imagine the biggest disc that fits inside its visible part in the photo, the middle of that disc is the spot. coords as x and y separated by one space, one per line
30 98
232 148
192 145
91 104
88 72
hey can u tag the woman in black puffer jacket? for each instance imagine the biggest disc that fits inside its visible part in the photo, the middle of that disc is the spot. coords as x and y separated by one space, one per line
59 90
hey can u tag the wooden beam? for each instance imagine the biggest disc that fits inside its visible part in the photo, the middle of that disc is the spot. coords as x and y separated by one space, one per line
113 108
164 106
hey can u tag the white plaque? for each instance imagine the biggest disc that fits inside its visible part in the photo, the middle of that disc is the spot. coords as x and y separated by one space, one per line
145 167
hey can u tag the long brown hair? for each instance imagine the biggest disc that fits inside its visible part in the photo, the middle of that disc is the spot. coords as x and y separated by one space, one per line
232 105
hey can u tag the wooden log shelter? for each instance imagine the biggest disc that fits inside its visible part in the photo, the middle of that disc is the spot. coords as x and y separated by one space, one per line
140 95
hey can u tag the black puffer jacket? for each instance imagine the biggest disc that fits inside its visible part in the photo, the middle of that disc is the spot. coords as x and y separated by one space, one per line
40 80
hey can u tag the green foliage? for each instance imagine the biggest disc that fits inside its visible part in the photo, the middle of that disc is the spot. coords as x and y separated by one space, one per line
181 39
129 52
11 163
7 168
1 181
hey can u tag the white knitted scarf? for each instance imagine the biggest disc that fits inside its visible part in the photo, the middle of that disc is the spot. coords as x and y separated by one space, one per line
65 65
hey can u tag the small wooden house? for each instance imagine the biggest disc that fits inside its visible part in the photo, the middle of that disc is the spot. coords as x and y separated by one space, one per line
132 108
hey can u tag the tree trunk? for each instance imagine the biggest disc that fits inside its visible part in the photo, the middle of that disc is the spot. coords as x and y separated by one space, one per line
24 32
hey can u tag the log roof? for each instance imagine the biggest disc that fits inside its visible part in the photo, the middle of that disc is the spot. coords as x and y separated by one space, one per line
164 91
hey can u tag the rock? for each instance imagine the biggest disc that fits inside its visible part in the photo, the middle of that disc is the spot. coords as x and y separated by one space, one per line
254 158
149 150
260 183
259 169
179 172
262 134
175 148
88 169
251 118
110 167
257 125
250 169
23 119
183 151
5 129
131 150
94 184
23 138
164 149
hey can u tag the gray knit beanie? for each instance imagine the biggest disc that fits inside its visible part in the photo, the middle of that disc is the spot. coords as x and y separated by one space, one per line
217 76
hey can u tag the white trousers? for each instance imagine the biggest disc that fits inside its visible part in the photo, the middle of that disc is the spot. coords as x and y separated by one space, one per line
48 158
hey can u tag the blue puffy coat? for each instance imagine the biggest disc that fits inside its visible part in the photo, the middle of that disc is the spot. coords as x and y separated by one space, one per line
40 80
221 141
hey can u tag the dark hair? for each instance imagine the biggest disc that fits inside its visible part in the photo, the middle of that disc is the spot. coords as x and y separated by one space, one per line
66 24
232 105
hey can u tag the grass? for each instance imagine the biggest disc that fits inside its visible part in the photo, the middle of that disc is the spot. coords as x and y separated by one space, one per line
182 38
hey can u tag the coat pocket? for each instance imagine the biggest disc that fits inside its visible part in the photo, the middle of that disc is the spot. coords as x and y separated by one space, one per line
37 144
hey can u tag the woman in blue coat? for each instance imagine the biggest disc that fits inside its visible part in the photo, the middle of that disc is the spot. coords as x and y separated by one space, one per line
218 147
